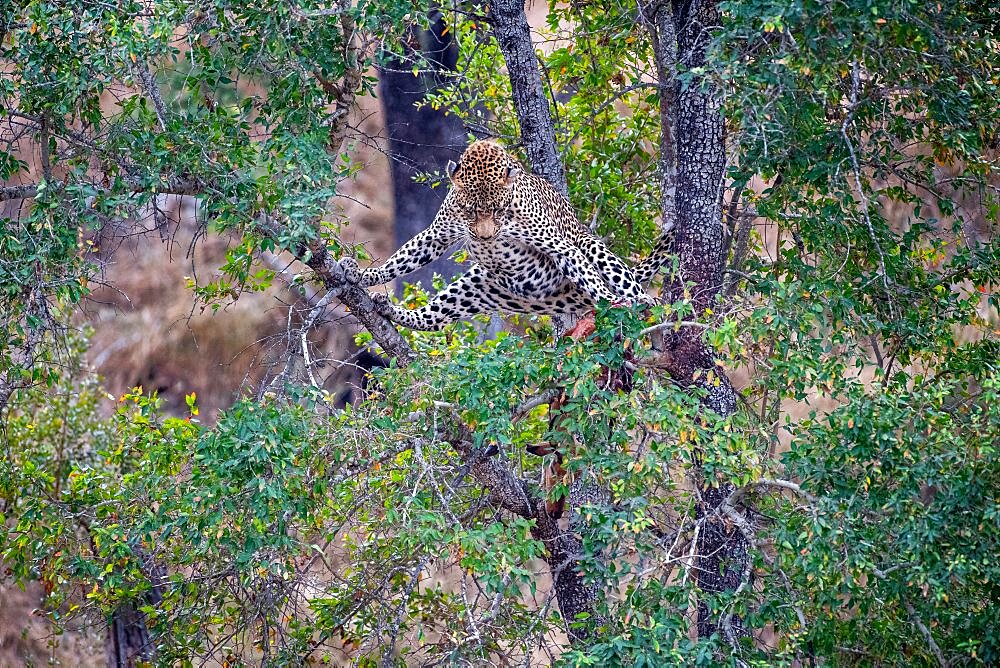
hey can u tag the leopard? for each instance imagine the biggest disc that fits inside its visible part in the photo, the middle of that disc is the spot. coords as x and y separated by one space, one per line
529 253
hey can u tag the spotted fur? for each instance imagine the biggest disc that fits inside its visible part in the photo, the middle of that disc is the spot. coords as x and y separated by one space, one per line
531 255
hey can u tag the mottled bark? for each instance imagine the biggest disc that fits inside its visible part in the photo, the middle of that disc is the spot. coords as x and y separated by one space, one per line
701 247
723 550
128 643
659 18
564 551
510 26
563 548
700 158
421 138
723 558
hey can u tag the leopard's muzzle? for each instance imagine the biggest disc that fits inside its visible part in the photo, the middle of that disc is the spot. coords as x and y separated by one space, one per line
485 226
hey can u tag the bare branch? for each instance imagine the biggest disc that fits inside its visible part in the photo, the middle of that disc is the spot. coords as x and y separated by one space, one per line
674 324
27 191
540 399
315 255
848 119
389 655
915 619
152 91
926 633
318 13
738 494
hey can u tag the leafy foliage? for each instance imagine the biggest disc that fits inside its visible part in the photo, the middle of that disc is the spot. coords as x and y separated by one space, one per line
861 304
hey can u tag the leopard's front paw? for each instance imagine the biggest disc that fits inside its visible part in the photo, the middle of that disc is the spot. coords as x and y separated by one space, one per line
646 300
383 306
352 274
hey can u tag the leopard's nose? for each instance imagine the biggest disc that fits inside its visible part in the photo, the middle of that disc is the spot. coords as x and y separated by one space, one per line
485 226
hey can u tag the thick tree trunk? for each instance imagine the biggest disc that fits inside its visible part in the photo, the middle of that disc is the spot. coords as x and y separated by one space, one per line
700 158
421 139
128 643
563 548
692 163
701 247
564 551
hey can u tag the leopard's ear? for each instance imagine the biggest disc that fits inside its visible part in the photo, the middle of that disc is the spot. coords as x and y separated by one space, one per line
450 169
512 172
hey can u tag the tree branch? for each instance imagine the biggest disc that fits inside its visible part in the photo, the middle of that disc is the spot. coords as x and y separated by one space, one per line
865 205
152 92
723 564
27 191
344 93
738 494
540 399
510 26
315 255
564 548
926 633
505 489
659 19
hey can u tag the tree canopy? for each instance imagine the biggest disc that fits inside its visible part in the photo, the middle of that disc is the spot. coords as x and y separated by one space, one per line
827 175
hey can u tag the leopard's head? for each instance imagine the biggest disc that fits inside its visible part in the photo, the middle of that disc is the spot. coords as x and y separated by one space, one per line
483 181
